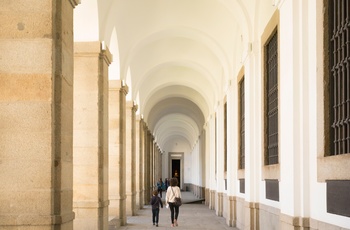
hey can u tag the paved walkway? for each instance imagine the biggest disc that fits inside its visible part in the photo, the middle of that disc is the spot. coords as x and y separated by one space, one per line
191 216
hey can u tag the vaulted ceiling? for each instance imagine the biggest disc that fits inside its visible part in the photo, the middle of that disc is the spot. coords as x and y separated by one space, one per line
178 57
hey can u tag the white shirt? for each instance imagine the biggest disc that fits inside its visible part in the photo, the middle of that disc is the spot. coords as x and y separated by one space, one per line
170 195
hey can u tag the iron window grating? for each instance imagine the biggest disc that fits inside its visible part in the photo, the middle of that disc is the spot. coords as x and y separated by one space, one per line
242 126
339 57
272 99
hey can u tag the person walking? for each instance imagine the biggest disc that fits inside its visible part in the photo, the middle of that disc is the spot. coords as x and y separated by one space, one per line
166 182
160 186
155 202
172 192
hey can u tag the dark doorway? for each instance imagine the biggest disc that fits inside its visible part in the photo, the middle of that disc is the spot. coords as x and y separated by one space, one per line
176 169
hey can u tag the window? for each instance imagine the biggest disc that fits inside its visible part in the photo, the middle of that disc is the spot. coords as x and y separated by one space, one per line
242 126
216 145
271 100
333 23
225 137
339 76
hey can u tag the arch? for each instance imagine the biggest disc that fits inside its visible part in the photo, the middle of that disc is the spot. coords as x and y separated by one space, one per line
183 32
172 99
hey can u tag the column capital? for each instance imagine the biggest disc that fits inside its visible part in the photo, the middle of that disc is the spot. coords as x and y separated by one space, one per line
74 3
124 89
135 107
107 56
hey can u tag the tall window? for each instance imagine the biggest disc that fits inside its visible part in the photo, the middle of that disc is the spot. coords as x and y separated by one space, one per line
271 100
225 137
339 76
216 151
242 126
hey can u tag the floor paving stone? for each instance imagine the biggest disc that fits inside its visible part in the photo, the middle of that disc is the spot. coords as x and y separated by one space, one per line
192 215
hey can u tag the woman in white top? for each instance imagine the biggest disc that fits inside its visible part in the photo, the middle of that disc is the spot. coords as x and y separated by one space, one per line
172 192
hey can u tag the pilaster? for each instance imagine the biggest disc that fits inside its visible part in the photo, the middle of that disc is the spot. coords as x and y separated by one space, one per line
138 164
36 107
146 165
231 211
212 199
90 140
251 215
150 163
130 159
207 196
142 161
219 210
117 160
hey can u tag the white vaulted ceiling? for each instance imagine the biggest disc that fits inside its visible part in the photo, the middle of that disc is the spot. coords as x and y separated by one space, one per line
176 56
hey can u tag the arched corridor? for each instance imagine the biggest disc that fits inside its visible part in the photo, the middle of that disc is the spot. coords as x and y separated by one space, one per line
245 102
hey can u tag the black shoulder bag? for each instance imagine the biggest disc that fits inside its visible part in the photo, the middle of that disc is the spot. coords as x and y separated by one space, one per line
178 201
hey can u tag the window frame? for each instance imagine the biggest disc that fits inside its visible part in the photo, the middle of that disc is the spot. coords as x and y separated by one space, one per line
270 172
329 167
267 132
241 127
240 171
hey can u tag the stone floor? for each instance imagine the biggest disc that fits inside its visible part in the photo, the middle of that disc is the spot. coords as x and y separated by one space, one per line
192 215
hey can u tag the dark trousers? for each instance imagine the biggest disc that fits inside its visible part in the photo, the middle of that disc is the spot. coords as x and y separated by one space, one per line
160 192
174 212
155 215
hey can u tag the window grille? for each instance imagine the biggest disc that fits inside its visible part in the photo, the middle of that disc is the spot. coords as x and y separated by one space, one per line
242 126
272 100
225 137
216 144
339 57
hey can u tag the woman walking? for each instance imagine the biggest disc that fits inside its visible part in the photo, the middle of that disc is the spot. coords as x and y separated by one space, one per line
172 192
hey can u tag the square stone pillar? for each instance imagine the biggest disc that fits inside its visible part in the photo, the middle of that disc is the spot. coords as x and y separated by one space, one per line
117 160
147 167
130 159
90 138
151 165
142 163
139 162
36 115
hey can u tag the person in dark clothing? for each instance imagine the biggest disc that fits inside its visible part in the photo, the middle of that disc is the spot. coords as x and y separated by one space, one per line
166 184
155 202
160 185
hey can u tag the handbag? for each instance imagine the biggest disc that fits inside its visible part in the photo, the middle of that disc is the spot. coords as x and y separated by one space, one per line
178 201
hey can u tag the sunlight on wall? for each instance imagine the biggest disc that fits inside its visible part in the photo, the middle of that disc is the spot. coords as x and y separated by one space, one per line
114 68
86 26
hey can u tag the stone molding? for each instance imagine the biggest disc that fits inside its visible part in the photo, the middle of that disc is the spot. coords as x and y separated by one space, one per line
332 168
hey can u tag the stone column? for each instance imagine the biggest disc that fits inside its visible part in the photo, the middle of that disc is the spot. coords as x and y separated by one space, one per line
155 163
130 158
141 163
117 135
90 139
160 164
36 114
145 165
148 175
138 170
151 164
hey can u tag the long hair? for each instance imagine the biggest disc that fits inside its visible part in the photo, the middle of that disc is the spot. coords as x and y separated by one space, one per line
173 181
